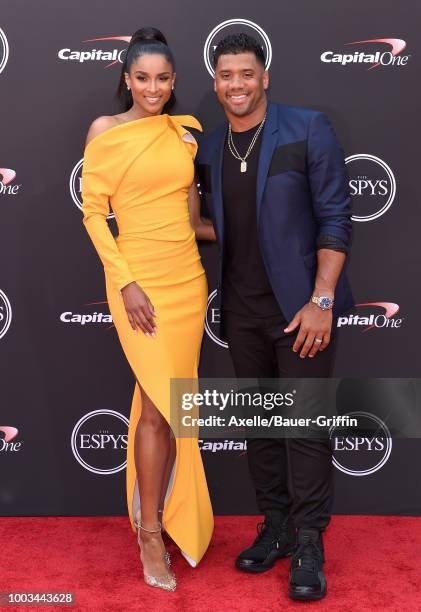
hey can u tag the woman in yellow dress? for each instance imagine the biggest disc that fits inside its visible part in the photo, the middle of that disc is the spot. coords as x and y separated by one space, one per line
141 162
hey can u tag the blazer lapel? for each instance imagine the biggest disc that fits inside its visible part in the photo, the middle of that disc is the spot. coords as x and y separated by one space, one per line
216 180
269 140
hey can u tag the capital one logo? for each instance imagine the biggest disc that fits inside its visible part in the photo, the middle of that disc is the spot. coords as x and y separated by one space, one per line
372 185
75 186
87 318
212 319
7 186
361 455
6 442
4 50
112 56
5 313
382 317
223 445
391 56
234 26
99 441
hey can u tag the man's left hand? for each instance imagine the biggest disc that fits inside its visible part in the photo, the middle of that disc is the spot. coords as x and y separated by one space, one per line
315 330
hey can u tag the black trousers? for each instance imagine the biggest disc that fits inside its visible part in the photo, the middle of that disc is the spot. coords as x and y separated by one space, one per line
292 476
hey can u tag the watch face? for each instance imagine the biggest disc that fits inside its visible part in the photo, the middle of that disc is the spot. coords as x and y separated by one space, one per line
325 302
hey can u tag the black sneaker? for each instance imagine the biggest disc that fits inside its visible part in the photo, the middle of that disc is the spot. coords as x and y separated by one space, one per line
307 581
275 539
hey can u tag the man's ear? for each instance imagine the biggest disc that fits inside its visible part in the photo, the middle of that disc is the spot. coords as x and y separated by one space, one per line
265 79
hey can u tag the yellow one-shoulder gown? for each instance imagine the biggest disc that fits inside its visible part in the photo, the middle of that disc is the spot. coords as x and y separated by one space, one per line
144 169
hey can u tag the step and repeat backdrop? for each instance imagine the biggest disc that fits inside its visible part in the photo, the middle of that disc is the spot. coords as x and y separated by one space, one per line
66 387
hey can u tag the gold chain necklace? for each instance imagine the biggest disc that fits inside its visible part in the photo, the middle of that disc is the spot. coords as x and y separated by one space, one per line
235 153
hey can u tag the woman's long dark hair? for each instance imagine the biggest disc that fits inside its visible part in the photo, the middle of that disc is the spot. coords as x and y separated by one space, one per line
145 40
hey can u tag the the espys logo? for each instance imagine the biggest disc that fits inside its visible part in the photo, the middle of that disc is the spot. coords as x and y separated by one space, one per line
112 56
75 185
390 57
7 187
99 441
87 318
212 319
369 320
6 442
364 454
5 313
372 185
233 26
4 50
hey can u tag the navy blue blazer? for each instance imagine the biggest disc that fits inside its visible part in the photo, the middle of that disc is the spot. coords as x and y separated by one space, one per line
302 192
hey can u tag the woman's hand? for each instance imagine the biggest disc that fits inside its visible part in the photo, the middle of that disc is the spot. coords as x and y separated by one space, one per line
139 308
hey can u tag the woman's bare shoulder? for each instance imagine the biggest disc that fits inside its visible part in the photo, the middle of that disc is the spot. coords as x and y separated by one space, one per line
100 125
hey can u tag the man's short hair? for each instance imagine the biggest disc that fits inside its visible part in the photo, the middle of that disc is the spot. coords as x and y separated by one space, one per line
238 43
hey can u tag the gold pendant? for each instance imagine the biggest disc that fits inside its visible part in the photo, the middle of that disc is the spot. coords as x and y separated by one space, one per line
243 166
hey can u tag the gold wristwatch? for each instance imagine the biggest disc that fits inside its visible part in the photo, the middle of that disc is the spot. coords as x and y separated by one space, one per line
322 301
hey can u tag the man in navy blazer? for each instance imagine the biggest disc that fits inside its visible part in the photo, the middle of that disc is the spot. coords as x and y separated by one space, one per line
274 182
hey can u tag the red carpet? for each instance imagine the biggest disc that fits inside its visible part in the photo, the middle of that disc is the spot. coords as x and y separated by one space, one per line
373 563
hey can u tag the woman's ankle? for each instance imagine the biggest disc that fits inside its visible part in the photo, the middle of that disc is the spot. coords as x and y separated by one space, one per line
150 530
150 525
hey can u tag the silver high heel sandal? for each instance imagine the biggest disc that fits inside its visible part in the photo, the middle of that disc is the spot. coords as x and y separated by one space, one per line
167 581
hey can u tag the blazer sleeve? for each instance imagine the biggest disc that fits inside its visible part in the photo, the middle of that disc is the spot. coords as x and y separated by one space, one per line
328 181
99 183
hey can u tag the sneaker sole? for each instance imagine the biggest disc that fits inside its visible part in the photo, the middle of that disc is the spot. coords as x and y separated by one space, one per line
297 596
313 597
261 567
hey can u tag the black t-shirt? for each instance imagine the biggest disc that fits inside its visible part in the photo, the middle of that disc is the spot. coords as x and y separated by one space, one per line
245 283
